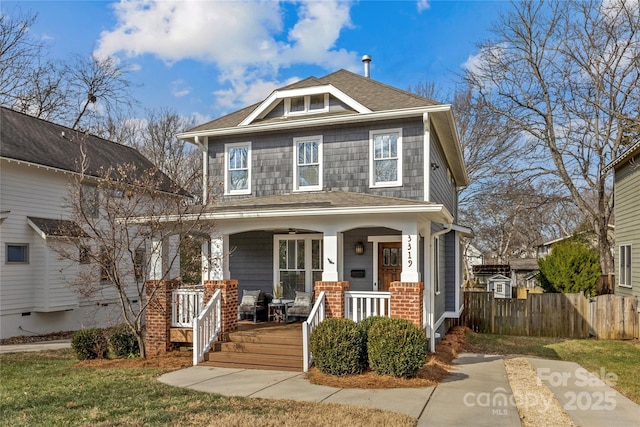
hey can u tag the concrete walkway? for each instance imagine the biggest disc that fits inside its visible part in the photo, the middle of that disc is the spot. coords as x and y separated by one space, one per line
36 346
476 394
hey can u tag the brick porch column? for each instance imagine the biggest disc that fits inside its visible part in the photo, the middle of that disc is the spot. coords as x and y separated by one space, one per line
158 315
334 297
229 296
407 302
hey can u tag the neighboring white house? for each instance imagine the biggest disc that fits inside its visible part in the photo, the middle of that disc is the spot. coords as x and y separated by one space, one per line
37 160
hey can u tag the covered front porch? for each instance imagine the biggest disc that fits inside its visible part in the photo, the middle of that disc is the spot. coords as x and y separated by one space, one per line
350 250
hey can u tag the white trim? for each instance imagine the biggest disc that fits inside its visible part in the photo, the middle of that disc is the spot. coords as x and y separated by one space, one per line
231 146
445 216
319 121
628 283
436 266
296 141
426 154
399 155
272 100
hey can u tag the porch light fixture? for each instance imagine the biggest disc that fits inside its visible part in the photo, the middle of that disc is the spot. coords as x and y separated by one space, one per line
434 166
359 248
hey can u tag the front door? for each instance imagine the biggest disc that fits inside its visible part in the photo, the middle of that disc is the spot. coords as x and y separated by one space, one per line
389 264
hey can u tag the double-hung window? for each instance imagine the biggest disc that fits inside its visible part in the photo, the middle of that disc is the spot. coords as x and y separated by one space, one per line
385 167
625 266
237 177
308 163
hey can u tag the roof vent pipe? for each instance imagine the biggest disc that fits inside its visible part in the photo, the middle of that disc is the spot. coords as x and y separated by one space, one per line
366 59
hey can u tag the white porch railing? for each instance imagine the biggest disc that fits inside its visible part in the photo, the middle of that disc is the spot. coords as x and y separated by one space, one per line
315 317
206 327
360 305
185 305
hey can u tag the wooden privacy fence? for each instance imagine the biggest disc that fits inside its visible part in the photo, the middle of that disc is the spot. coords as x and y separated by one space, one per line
553 315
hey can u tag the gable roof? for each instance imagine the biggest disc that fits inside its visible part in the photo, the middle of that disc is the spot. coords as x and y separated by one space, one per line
31 140
375 96
369 101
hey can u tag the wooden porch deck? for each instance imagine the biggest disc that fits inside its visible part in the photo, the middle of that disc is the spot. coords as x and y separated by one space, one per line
263 345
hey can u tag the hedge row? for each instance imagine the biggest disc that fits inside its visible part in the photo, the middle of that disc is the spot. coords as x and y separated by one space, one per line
95 343
388 346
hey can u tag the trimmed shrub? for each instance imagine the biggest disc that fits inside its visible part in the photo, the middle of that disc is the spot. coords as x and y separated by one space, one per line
90 343
396 347
365 325
123 342
337 346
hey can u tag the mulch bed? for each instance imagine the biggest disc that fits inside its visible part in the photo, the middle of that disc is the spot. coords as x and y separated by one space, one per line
27 339
433 372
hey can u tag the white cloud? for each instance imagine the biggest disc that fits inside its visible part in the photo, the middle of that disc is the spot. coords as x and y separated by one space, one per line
180 88
246 41
423 5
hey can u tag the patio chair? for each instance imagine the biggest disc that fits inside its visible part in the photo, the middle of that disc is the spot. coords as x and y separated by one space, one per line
253 303
301 307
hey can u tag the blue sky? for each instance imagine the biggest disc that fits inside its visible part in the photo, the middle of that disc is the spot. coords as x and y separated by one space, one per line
208 58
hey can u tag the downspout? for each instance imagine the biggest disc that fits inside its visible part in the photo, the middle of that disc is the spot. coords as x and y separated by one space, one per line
432 293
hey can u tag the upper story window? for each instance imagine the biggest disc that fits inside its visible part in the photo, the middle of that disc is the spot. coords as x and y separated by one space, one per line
89 200
237 173
307 104
385 167
625 266
308 163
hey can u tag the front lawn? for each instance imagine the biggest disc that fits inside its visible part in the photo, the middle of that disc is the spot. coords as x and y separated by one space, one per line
601 357
46 389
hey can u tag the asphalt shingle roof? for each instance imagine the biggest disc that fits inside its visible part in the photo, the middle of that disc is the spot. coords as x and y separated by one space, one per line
32 140
374 95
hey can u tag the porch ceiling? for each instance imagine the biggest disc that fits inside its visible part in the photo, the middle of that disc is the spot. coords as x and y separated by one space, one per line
324 203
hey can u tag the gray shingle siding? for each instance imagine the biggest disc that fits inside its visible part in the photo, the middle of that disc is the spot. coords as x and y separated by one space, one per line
345 160
442 189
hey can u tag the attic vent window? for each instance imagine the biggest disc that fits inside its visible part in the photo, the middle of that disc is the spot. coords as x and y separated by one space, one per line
308 104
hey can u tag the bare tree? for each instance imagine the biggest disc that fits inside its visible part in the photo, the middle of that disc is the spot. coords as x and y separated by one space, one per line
19 52
96 87
119 213
566 76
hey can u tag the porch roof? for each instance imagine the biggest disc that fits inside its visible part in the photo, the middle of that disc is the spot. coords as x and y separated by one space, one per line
323 203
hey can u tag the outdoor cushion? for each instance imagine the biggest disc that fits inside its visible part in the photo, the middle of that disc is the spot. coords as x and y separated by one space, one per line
301 305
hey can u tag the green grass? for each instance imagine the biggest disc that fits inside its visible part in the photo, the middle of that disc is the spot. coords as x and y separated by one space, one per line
46 389
621 358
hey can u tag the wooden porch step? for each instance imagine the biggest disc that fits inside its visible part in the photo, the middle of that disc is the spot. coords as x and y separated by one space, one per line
254 361
265 346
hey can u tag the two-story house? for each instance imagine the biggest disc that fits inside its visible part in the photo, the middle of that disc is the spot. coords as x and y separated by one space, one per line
38 160
338 178
626 169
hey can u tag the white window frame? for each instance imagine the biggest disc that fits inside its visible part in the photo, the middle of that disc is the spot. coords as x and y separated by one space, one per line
227 149
307 105
372 160
308 261
26 253
296 183
624 265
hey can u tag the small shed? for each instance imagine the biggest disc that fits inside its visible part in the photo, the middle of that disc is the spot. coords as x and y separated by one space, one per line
500 286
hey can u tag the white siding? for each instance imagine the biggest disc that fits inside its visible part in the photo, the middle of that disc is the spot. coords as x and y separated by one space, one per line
38 286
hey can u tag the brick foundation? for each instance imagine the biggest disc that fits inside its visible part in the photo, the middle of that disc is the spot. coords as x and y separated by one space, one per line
334 297
158 316
407 301
229 296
